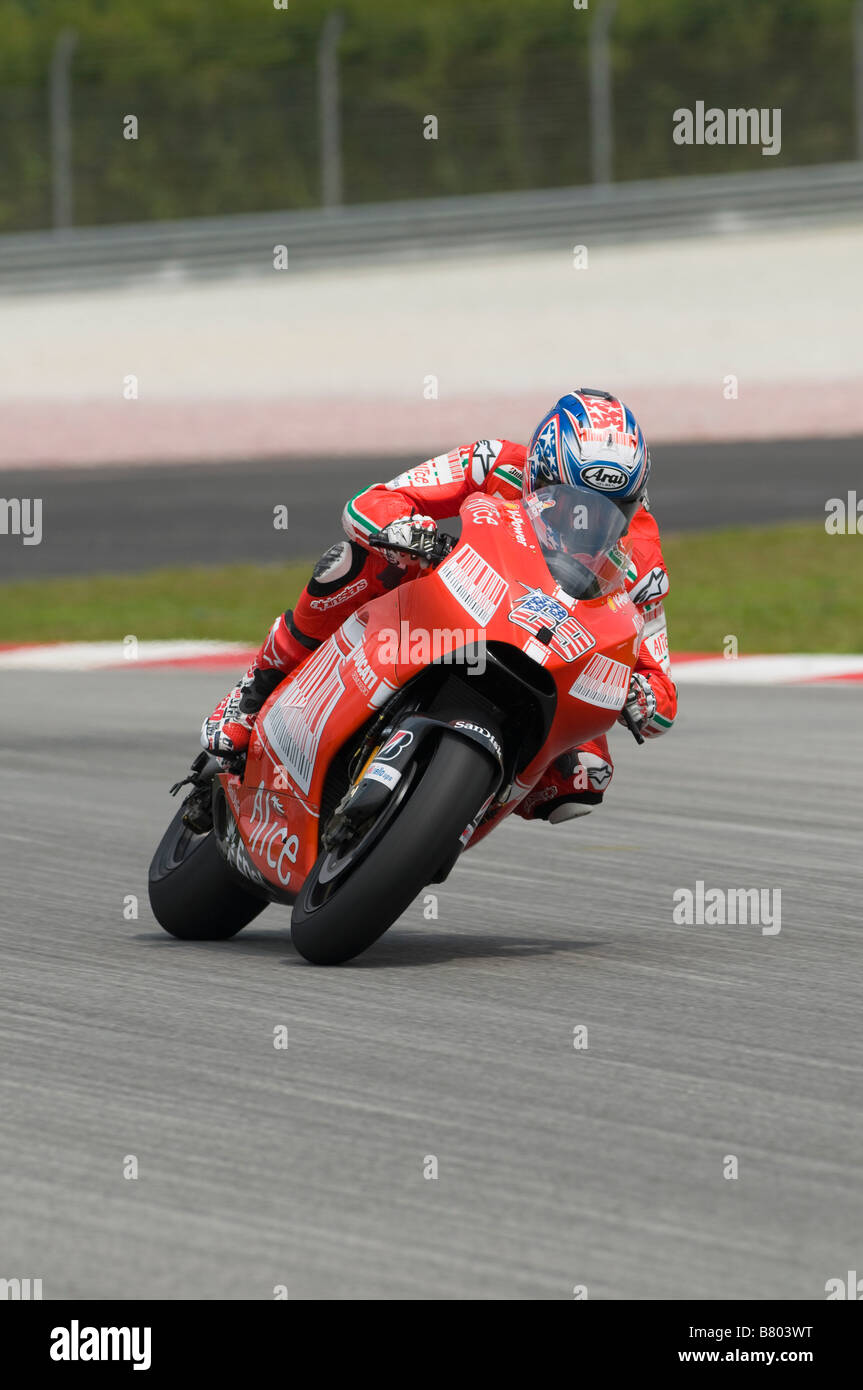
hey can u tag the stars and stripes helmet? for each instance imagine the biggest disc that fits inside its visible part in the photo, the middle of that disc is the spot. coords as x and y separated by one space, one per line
590 439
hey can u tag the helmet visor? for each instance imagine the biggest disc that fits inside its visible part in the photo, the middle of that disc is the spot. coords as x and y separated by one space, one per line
580 535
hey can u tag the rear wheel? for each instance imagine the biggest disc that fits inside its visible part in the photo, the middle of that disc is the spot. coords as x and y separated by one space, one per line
353 894
192 892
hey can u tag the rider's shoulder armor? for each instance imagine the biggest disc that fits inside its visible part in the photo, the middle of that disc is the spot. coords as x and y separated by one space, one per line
650 581
496 466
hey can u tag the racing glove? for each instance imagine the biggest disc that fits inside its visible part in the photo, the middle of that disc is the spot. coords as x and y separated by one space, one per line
640 702
417 534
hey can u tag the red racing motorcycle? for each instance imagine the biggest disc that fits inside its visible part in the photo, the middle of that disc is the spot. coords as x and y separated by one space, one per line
412 732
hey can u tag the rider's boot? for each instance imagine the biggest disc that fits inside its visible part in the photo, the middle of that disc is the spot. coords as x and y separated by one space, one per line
226 732
571 786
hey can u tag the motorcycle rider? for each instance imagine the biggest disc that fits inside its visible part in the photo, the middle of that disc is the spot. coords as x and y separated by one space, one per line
589 439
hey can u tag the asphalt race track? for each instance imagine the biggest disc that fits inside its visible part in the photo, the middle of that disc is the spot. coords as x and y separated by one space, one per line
557 1167
132 519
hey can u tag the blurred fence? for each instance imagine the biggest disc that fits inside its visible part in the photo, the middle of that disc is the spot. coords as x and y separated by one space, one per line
556 218
295 113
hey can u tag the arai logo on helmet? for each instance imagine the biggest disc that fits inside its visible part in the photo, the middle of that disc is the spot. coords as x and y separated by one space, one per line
605 476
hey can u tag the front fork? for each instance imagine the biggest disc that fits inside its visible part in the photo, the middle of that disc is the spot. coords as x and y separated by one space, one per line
198 805
373 786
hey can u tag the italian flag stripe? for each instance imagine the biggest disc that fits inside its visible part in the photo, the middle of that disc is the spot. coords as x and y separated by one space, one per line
510 475
662 721
357 517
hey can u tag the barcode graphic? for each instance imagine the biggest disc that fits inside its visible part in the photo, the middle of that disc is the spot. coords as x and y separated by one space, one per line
294 730
602 682
478 588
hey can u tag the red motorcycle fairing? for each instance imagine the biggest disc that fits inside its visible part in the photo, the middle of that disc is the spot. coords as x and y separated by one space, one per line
494 587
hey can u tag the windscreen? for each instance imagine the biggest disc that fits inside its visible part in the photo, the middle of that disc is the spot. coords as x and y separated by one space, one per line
579 532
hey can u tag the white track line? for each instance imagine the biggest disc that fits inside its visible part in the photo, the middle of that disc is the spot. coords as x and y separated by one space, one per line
687 669
96 656
767 670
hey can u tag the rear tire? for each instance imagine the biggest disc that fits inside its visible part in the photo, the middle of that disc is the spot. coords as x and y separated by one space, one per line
192 892
423 834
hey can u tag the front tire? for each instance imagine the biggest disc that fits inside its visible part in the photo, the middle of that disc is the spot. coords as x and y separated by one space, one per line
421 836
192 892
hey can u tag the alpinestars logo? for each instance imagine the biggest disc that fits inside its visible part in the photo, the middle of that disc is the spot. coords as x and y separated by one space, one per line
341 597
485 452
652 586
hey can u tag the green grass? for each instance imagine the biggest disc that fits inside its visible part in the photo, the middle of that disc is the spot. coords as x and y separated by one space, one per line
236 602
777 589
788 588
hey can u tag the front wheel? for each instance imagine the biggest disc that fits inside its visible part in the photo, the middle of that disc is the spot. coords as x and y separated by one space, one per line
192 892
351 897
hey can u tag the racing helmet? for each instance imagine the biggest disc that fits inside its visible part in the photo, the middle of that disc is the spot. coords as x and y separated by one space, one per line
590 439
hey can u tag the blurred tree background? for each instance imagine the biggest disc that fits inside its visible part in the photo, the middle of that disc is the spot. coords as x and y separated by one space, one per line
226 97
